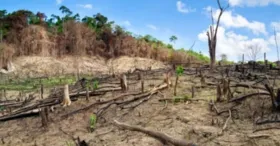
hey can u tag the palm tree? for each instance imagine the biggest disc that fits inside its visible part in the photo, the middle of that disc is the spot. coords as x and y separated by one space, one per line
173 39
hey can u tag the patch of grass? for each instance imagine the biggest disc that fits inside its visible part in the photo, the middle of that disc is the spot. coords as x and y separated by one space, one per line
2 108
31 84
184 98
69 143
92 122
274 65
95 84
199 56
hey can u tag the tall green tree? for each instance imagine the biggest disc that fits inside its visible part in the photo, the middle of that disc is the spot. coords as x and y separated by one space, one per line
90 22
65 11
102 22
58 23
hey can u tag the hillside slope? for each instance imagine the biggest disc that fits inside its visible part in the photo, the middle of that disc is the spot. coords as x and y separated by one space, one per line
36 66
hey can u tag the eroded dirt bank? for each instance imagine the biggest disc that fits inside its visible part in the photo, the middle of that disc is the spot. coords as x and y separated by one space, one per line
33 66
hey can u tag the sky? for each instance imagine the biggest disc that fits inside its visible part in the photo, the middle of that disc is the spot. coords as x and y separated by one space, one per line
245 23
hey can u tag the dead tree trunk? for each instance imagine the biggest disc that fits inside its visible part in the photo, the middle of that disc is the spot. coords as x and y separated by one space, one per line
160 136
212 36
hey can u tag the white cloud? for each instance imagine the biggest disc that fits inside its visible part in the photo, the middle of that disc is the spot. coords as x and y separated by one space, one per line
59 1
275 25
208 9
181 7
127 23
253 3
86 6
234 45
231 20
152 27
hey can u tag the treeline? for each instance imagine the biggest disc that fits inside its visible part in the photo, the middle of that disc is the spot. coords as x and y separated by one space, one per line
24 33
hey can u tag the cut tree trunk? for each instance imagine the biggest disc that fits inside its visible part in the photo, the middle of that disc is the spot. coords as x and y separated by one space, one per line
44 116
165 139
66 98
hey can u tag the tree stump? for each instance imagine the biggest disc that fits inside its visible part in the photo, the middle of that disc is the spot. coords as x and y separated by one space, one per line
142 82
42 91
87 93
123 82
167 79
202 81
44 113
219 93
66 99
193 91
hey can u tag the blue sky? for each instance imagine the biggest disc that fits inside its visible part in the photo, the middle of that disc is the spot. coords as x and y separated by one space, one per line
245 23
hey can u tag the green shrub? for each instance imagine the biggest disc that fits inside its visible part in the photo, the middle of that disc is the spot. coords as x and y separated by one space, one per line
2 108
260 62
95 84
274 65
179 70
92 122
169 46
199 56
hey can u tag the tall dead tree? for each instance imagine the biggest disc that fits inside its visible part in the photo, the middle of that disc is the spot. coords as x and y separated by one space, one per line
212 35
253 51
276 44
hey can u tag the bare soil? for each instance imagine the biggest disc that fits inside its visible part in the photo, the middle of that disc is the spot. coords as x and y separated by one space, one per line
191 120
34 66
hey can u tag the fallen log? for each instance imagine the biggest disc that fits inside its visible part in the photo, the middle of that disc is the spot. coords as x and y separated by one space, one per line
165 139
98 103
248 86
249 95
229 117
153 91
23 114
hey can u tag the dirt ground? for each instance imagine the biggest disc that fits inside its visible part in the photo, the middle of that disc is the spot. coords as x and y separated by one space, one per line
192 121
34 66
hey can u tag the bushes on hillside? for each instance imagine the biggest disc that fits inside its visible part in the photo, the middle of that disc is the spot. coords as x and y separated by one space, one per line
34 34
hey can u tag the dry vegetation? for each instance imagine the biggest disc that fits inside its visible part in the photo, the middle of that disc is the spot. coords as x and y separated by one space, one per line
28 34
